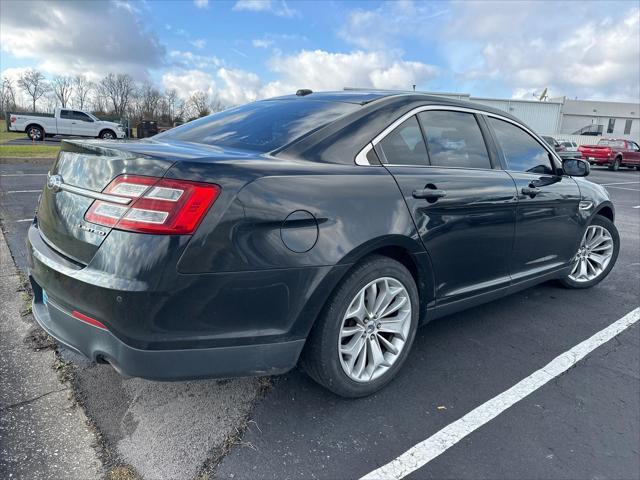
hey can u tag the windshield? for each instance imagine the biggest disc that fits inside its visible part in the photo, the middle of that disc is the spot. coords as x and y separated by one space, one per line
611 143
261 126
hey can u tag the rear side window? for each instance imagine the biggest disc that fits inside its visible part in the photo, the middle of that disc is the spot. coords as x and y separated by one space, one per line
66 114
454 139
521 151
405 145
260 126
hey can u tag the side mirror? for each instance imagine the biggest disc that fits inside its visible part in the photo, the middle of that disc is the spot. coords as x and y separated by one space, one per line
575 167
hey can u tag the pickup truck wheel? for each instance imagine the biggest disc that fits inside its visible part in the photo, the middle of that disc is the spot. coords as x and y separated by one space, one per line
35 133
366 330
615 165
107 135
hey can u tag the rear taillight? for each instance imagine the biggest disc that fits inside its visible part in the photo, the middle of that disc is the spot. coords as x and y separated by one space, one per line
159 205
13 119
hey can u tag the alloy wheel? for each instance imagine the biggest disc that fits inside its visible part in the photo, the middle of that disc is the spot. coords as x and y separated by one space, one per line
34 133
374 329
594 254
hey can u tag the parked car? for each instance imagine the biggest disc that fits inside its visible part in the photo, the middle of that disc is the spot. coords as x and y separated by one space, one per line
613 152
64 121
560 149
569 145
318 227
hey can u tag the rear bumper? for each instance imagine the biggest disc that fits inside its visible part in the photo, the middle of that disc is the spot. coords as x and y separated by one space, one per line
164 325
597 160
102 346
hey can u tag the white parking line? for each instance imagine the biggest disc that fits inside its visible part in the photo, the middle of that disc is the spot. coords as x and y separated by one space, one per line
24 220
422 453
637 206
24 191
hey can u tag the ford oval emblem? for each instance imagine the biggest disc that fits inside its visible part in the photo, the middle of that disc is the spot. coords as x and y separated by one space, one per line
54 183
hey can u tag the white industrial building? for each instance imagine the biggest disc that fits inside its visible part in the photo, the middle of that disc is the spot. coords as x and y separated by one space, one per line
579 120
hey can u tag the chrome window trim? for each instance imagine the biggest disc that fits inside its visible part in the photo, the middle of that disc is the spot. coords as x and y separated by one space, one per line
361 157
105 197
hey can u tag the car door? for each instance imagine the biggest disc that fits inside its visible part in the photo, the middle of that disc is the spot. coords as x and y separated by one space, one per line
633 155
83 124
65 122
464 209
548 227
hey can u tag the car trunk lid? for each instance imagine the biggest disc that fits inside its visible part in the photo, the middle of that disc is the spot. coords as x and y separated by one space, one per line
86 167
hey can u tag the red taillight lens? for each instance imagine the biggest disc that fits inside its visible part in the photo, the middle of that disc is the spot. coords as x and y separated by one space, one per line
160 206
13 119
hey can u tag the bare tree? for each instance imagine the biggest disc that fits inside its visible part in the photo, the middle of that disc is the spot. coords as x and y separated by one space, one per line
199 103
171 102
149 100
118 89
7 95
34 84
82 87
63 88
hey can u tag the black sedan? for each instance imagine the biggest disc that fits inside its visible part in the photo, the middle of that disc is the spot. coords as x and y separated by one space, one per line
316 228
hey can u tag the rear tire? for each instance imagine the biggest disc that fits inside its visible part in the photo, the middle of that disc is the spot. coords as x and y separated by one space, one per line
616 164
35 133
598 237
379 341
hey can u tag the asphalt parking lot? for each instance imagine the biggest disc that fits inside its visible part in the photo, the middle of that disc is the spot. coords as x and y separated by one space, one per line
585 423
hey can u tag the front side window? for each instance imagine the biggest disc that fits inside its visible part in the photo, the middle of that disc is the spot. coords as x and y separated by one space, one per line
522 152
634 146
454 139
81 116
405 145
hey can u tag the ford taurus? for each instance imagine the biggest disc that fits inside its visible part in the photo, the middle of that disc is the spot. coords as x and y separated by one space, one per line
315 228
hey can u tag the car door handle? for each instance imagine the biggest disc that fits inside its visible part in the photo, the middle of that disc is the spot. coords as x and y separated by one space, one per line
531 191
429 194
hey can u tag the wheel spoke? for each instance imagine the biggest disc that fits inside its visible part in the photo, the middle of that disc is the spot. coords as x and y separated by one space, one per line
353 346
353 330
357 309
394 307
388 345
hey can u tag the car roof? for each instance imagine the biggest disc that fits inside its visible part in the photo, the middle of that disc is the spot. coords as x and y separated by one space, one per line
390 97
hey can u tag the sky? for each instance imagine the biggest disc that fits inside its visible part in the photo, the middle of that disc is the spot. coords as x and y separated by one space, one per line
244 50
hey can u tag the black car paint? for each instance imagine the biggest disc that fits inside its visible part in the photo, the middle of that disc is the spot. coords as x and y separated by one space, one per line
236 283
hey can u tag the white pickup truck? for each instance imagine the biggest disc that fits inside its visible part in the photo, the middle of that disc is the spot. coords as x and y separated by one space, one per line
64 122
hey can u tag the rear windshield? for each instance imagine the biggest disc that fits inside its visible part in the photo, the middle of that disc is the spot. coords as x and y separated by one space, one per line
261 126
611 143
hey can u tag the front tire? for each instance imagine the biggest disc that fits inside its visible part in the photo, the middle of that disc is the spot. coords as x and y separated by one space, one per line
107 135
596 255
366 330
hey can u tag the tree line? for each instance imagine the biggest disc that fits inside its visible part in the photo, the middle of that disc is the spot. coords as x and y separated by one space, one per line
115 95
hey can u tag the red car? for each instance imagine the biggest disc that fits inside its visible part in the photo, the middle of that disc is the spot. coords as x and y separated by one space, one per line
613 152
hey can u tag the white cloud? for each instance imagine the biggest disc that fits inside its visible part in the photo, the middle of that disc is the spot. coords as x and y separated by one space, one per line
188 60
187 82
199 43
261 43
277 7
64 37
382 27
595 56
201 3
321 70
